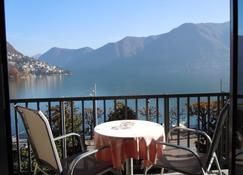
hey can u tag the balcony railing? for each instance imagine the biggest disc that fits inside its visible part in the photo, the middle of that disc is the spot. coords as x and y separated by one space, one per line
81 114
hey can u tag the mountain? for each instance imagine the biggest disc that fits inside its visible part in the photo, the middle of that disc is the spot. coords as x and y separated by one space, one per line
188 50
20 65
190 41
63 57
36 56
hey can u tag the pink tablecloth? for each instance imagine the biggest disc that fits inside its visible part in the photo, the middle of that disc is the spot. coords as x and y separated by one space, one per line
128 139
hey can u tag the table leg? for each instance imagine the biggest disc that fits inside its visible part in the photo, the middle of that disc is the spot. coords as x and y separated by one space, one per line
148 155
129 166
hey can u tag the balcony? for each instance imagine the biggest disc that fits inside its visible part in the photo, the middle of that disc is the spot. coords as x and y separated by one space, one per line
81 114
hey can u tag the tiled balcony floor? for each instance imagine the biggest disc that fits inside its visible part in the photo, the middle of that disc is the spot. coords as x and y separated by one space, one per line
183 141
225 172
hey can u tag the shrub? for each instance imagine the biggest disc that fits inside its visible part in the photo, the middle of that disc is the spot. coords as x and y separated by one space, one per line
120 111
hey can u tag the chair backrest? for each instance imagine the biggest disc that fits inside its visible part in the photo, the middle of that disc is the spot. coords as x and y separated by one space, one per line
218 131
40 137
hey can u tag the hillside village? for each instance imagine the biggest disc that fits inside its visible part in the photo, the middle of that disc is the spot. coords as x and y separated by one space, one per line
24 66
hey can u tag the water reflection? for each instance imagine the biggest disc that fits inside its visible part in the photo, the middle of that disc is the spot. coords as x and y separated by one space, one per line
34 86
75 85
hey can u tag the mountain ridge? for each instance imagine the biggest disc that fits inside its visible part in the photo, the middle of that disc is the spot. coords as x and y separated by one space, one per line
200 50
131 46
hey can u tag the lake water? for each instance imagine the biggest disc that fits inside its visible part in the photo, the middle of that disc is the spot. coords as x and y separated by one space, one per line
77 85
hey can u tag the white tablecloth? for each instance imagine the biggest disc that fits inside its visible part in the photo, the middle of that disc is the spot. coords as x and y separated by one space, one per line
131 129
129 139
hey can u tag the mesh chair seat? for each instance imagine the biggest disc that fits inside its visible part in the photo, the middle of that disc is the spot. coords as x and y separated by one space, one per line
181 160
89 165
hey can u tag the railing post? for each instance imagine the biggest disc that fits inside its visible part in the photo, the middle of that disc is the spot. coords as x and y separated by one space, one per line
72 120
166 115
178 119
17 140
157 110
94 117
104 106
188 120
221 102
29 148
136 107
63 121
126 109
83 122
147 109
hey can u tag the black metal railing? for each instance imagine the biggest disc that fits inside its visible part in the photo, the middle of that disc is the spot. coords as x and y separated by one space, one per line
81 114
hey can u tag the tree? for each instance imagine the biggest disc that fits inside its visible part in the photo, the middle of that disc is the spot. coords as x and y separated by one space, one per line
73 118
90 118
13 72
149 113
207 117
120 112
174 116
73 121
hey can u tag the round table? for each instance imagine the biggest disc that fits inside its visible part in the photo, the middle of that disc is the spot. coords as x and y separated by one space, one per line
128 139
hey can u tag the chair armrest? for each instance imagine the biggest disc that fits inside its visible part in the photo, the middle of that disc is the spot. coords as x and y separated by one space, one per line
183 148
190 130
66 135
86 154
238 153
69 135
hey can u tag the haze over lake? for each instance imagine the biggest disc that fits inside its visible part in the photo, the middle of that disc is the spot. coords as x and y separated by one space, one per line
191 58
74 85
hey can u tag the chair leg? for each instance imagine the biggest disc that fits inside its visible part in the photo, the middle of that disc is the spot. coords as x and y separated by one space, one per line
214 158
204 173
162 171
210 164
147 169
217 163
36 169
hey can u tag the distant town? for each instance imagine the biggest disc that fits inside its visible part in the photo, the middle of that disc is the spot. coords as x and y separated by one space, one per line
21 66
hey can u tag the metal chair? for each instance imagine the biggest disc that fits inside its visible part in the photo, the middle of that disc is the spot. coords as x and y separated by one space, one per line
45 151
186 160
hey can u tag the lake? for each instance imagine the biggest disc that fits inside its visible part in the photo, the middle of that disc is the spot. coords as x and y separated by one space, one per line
81 85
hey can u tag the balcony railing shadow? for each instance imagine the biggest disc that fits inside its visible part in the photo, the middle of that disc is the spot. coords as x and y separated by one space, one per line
81 114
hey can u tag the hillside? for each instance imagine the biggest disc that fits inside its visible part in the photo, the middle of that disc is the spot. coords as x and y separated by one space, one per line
23 66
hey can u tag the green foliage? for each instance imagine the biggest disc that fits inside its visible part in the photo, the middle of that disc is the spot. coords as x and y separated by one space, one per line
73 123
73 118
207 117
120 111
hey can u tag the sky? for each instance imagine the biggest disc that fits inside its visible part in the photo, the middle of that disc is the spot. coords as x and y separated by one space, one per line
34 27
